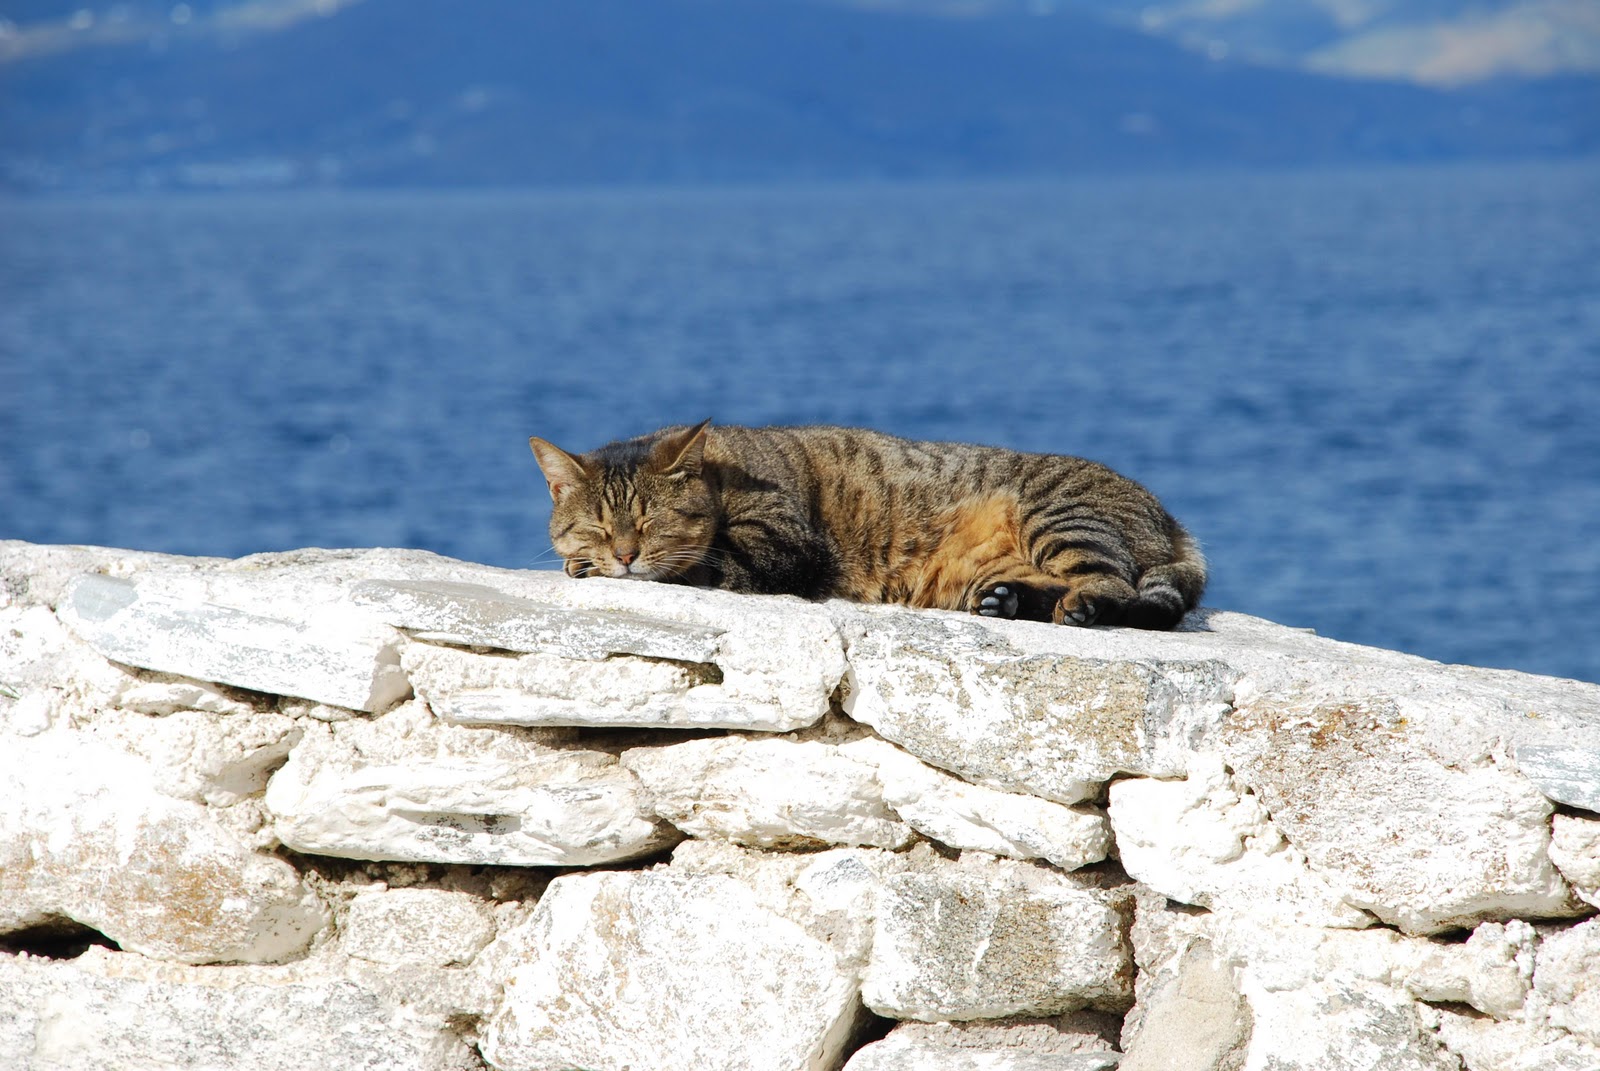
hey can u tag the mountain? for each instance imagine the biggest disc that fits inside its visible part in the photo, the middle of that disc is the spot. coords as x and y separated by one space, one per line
1433 42
515 92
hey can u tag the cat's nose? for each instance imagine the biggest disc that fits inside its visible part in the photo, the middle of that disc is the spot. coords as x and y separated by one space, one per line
626 556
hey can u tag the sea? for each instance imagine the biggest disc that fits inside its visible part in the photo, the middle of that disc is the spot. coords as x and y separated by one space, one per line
1374 395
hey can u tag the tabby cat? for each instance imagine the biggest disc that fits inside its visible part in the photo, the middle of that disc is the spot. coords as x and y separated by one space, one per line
826 512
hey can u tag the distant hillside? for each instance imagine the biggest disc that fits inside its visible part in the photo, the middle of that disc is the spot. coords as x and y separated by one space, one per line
513 92
1434 42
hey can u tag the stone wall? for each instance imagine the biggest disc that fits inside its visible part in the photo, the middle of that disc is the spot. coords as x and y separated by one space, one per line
384 810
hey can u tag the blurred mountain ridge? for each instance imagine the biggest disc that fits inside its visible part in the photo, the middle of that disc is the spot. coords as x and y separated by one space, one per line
272 93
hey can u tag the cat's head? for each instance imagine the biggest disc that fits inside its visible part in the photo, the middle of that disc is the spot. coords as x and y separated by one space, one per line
640 508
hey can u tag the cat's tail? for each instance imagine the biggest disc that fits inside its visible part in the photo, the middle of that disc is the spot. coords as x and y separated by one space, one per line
1166 592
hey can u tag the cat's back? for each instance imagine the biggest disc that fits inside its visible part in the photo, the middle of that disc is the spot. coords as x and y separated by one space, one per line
805 455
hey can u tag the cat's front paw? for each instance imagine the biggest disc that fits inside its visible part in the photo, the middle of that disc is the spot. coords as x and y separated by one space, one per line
996 600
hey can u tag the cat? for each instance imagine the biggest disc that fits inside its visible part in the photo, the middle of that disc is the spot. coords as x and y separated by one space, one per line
825 512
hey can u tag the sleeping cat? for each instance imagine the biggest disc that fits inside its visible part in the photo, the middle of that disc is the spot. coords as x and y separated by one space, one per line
826 512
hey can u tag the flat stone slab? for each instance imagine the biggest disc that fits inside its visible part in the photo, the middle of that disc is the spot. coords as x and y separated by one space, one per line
1569 775
466 688
134 623
475 615
768 792
406 789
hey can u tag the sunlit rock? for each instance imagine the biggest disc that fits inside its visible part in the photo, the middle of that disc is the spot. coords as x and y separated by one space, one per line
1569 775
116 1010
86 836
959 695
422 927
339 660
768 664
668 971
987 938
951 811
768 793
405 788
1206 841
1422 843
1575 850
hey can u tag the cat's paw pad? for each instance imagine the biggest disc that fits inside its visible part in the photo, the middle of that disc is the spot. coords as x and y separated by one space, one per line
1077 610
999 600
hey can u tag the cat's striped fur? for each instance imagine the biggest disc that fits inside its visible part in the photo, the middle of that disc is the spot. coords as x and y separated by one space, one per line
827 512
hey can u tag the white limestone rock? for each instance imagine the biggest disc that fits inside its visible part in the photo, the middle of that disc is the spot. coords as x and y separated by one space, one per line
550 689
161 694
116 1010
1207 841
971 817
1483 1044
86 836
958 694
1078 1041
1566 982
1575 850
1492 971
341 659
1566 774
987 938
760 663
48 677
1340 1026
418 927
899 1052
832 894
1424 844
1197 1020
404 788
671 972
768 793
475 615
218 759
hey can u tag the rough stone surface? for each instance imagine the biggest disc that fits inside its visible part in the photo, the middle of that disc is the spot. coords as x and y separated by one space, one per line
1199 1021
1569 775
544 689
768 793
85 836
972 817
1423 844
1207 841
1575 850
426 794
476 615
988 938
331 661
953 693
1299 788
108 1010
770 664
636 970
428 927
901 1053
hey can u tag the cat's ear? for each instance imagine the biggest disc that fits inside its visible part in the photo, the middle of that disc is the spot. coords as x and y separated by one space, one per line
682 452
561 469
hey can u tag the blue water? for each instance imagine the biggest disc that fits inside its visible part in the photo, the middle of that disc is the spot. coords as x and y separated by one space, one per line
1375 396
